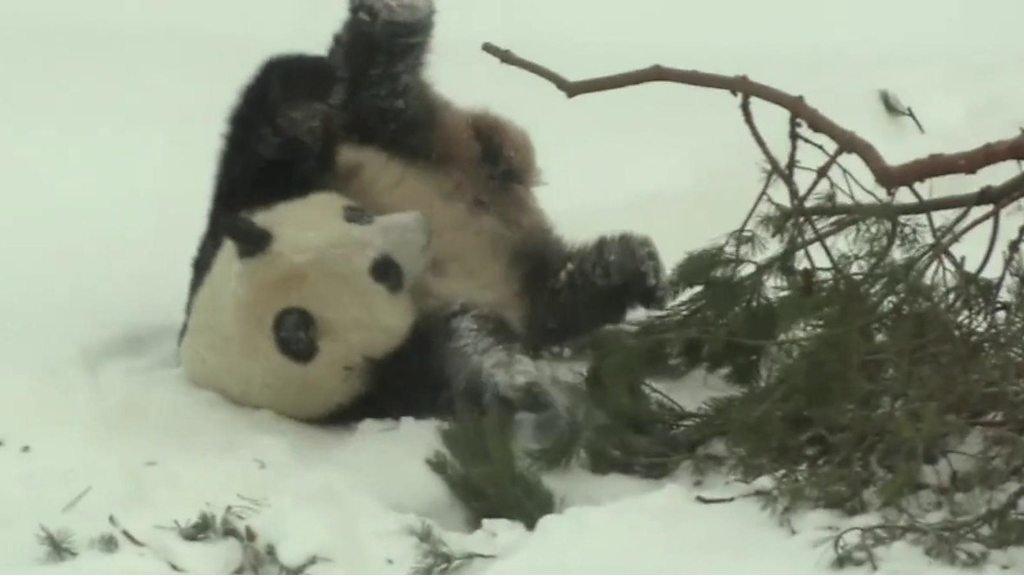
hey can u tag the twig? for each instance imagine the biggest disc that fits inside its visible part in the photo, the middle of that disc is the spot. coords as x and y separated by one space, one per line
124 532
707 500
136 542
993 236
934 229
1011 189
254 503
762 145
821 173
1012 250
850 178
787 178
682 413
74 501
757 202
728 499
887 175
997 207
840 226
890 243
794 145
775 168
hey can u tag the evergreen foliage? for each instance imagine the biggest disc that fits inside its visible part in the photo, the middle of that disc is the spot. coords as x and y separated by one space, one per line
486 473
256 557
59 545
436 556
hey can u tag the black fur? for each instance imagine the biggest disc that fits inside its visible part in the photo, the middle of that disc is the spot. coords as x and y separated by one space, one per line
378 64
267 156
385 271
443 367
411 381
297 109
574 292
250 240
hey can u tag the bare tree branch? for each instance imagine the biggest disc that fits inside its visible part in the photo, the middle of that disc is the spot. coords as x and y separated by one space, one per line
997 208
1005 193
888 176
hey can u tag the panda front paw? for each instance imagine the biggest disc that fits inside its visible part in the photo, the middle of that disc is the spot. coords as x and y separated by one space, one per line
631 263
383 44
403 20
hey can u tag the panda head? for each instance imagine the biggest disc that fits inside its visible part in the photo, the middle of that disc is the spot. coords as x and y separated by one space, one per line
301 298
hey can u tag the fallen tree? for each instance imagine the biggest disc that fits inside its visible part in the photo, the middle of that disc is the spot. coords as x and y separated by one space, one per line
875 369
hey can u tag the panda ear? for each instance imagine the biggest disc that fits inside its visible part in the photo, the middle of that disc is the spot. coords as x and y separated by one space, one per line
250 239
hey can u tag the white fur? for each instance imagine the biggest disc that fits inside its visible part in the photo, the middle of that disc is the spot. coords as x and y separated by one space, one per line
471 250
319 262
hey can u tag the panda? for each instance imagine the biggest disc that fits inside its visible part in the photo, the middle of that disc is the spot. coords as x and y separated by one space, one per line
363 122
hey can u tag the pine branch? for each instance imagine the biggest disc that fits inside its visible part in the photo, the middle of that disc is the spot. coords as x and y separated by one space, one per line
1004 193
482 469
436 556
855 379
59 545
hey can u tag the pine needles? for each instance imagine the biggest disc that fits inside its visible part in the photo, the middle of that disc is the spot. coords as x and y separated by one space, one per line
486 474
436 556
256 557
59 545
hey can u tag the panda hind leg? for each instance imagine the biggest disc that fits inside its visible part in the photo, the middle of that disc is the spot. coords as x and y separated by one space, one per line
280 137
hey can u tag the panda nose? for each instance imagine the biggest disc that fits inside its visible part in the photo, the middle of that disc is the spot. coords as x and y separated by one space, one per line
295 335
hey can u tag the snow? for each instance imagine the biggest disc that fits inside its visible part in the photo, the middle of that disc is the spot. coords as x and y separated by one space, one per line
112 113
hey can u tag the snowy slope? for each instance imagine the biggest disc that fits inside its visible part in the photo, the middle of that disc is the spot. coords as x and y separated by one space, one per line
112 112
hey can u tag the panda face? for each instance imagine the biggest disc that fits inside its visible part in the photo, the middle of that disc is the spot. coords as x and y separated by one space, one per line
332 267
301 296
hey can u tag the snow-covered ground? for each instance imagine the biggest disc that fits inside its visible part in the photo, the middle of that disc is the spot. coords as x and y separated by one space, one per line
111 114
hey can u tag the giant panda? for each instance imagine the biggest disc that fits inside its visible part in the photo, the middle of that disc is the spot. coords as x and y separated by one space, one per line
363 121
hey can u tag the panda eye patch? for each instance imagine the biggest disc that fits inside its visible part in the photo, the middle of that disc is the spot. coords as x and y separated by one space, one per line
386 272
295 335
358 215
